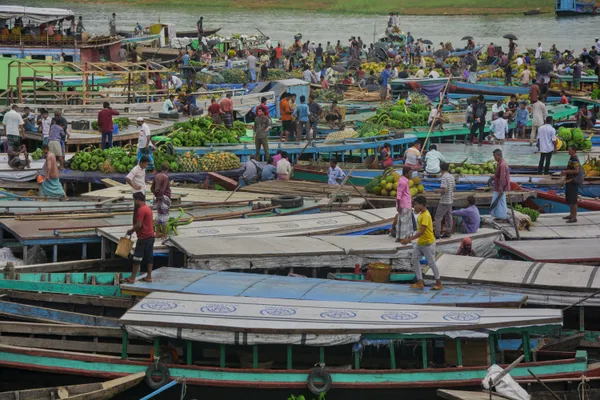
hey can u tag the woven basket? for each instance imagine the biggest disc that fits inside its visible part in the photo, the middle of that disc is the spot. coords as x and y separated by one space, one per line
124 247
380 272
372 162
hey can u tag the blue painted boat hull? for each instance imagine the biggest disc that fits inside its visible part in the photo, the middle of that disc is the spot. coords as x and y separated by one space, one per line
479 88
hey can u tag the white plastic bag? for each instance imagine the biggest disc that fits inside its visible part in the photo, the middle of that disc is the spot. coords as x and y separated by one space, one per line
507 385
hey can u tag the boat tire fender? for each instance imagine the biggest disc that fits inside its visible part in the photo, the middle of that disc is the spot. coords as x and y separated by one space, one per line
319 372
157 370
287 201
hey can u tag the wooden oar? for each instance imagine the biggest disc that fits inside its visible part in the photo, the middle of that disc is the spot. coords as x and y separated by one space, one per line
439 108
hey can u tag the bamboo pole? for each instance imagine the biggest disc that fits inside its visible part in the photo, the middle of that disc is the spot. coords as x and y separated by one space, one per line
147 83
439 109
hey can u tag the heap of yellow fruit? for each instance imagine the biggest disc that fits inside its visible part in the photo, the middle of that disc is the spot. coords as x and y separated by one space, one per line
386 184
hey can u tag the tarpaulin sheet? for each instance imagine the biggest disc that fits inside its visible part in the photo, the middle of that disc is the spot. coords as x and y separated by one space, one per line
71 176
35 14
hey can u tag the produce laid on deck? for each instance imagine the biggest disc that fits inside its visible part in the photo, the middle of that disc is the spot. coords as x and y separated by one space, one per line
574 137
37 154
533 214
121 122
386 184
401 116
204 132
595 94
347 133
489 167
591 167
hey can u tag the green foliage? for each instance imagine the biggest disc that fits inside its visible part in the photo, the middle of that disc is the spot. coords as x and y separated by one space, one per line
533 214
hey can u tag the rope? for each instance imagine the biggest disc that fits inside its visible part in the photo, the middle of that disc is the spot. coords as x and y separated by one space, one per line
183 389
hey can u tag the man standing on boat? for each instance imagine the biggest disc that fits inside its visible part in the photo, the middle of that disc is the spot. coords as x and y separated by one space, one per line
144 143
443 212
112 25
51 186
105 124
547 145
383 81
143 226
539 112
574 175
498 208
13 127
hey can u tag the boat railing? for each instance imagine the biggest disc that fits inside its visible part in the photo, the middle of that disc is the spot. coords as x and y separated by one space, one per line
34 40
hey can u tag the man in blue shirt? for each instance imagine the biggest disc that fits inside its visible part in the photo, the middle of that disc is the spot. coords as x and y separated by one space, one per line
269 171
521 117
185 59
383 78
302 113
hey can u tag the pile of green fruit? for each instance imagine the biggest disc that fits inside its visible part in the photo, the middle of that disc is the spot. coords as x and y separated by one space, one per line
386 184
219 161
91 159
595 94
472 169
327 95
400 116
573 137
189 162
204 131
368 130
533 214
164 153
234 76
121 122
37 154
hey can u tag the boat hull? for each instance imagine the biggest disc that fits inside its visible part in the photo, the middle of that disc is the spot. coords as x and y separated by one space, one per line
105 367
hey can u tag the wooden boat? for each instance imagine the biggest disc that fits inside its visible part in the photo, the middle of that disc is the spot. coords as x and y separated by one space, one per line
89 391
457 86
575 8
541 395
232 334
563 251
193 33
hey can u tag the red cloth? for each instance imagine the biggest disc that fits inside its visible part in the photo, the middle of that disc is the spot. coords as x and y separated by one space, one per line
105 122
278 52
144 214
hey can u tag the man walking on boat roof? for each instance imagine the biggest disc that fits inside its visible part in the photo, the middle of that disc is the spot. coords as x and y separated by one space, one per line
143 226
498 207
105 124
112 25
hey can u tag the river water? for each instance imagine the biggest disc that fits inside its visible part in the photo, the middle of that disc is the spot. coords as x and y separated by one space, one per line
574 33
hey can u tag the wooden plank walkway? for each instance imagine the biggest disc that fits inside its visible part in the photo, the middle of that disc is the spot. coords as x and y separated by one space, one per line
310 252
187 194
564 251
240 284
564 277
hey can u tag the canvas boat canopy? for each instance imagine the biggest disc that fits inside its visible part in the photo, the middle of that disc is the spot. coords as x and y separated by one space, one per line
187 315
35 14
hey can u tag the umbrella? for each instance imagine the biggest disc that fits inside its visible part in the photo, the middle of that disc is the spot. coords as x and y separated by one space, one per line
338 68
381 54
510 36
467 38
213 42
543 66
427 41
441 53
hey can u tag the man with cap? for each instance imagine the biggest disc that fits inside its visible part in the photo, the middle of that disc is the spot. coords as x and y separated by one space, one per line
144 146
143 226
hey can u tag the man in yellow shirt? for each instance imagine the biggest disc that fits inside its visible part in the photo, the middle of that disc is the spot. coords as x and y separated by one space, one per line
425 245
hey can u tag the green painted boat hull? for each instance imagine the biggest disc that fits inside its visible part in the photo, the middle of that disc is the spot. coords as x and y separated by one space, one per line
74 364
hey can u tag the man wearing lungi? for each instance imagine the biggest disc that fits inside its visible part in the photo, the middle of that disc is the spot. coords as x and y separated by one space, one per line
501 186
405 225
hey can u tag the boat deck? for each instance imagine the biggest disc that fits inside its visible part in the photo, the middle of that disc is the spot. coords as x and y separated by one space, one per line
315 252
180 280
553 226
565 277
564 251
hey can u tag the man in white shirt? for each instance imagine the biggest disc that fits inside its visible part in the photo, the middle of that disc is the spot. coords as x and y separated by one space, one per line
433 158
420 73
44 123
307 75
13 127
176 82
499 129
251 67
539 112
547 145
136 178
597 44
433 73
169 106
144 146
538 51
284 168
519 61
496 108
436 119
